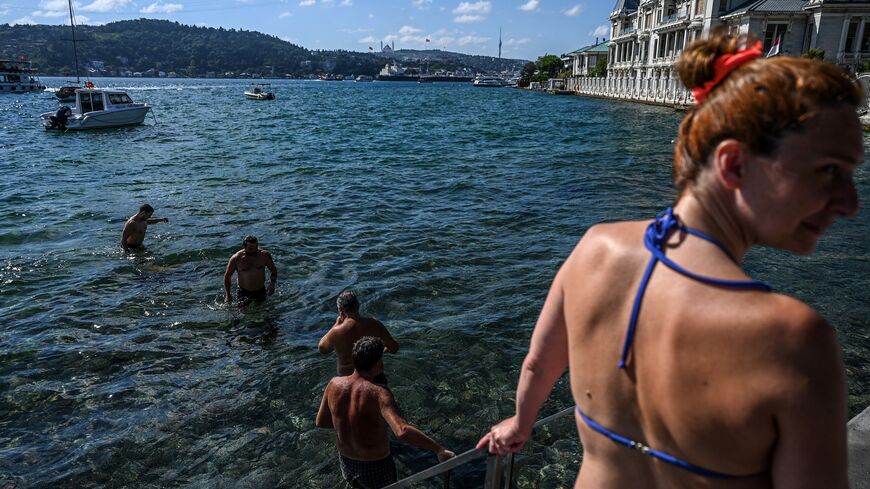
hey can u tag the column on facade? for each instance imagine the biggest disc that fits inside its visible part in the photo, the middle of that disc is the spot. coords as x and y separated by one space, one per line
844 35
859 36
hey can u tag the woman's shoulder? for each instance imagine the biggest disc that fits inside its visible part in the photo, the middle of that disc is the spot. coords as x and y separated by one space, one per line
610 240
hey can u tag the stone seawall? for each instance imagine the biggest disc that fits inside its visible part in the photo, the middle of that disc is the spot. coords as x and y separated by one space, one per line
859 451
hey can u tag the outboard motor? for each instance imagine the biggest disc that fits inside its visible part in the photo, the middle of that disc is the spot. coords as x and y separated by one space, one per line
58 120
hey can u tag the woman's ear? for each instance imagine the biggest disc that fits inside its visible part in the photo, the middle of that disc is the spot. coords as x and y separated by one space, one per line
729 161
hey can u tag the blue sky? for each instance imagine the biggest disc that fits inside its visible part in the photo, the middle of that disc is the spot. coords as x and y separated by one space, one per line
530 28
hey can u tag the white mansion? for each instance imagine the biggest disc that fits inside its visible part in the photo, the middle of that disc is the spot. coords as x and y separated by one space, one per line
647 37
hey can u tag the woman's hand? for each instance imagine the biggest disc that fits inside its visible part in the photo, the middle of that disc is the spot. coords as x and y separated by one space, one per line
505 437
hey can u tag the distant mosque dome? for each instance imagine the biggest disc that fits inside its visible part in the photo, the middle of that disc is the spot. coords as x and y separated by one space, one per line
388 48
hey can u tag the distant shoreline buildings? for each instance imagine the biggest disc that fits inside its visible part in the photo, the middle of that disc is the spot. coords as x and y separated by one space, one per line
648 36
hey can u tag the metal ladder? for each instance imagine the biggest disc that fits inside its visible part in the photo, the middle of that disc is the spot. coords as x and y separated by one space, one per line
496 466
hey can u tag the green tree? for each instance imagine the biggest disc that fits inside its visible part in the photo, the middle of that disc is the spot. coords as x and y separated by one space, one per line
528 72
600 69
815 53
549 66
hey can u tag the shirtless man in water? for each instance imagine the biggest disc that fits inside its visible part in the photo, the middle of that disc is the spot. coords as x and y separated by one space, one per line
349 327
134 229
251 263
357 409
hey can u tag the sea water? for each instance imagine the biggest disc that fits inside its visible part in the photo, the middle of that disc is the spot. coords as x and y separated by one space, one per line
448 208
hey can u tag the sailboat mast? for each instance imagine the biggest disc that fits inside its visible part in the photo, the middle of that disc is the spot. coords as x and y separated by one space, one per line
72 24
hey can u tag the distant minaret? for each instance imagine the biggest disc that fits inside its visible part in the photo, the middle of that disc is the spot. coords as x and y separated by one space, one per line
499 43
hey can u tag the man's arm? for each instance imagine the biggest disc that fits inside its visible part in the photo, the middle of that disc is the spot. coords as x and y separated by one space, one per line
124 235
404 431
390 344
273 274
228 278
325 345
324 415
155 221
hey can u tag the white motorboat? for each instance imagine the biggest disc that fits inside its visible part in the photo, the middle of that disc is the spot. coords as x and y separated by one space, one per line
97 109
19 77
488 81
258 91
363 78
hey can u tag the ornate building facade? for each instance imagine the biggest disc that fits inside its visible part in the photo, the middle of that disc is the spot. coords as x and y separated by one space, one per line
648 36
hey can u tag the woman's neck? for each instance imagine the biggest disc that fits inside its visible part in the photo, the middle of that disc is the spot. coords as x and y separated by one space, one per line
716 217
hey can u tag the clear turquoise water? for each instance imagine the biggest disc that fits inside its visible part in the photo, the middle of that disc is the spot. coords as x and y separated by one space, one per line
447 208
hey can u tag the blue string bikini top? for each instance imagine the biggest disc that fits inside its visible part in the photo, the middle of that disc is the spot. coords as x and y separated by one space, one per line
655 238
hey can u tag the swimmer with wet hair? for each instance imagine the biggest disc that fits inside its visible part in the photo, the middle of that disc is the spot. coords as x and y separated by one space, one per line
359 410
133 236
349 327
250 262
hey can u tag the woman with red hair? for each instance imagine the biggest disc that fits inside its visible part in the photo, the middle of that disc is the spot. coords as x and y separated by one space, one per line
685 371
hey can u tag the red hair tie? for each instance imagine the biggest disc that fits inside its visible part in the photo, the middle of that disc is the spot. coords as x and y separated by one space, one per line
723 67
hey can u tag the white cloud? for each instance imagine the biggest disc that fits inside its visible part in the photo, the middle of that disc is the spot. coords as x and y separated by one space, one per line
106 5
530 6
162 8
368 40
371 16
517 42
472 40
468 19
422 4
602 30
408 30
574 11
482 7
4 9
50 8
285 14
307 3
345 3
23 21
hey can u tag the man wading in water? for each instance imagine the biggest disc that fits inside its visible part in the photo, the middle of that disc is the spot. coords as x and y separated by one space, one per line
349 327
134 229
356 408
251 263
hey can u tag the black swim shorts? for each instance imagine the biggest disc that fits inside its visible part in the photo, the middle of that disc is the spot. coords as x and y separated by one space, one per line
368 474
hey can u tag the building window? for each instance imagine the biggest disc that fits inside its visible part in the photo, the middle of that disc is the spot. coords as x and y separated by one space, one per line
723 6
850 36
865 40
773 32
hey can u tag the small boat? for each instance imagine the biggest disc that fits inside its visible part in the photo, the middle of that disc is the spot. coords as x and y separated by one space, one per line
96 109
363 78
258 91
488 81
19 77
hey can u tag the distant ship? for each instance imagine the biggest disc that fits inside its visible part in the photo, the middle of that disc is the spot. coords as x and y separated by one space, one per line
428 78
19 77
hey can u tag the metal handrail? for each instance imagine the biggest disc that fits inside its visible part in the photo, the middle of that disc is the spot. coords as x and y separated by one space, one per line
493 464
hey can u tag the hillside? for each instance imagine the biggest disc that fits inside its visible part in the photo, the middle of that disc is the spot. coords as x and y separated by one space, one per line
160 45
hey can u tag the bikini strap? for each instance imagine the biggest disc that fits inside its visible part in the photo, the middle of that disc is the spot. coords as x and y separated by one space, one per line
655 239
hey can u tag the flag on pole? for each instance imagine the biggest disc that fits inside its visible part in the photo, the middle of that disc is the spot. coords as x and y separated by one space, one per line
427 40
774 50
371 48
